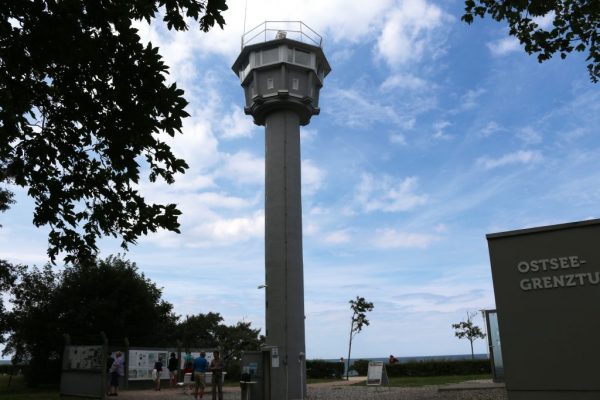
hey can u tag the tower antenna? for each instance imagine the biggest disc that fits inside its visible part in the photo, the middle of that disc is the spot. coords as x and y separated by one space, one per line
245 14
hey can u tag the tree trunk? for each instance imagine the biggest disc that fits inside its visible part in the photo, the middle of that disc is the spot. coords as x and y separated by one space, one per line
349 348
472 354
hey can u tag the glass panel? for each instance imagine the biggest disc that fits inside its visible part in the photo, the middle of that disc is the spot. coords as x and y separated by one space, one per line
270 56
290 54
496 348
302 57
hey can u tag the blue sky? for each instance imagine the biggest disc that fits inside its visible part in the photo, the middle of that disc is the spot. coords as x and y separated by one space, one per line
432 133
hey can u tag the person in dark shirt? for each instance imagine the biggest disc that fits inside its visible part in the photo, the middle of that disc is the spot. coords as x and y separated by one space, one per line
172 366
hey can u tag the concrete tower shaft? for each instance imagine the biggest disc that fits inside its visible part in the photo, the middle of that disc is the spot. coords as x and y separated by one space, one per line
281 79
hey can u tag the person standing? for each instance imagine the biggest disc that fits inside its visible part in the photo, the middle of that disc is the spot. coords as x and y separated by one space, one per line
216 367
200 366
158 366
172 366
117 369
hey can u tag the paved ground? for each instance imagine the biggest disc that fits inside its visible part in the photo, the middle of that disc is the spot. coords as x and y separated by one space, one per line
477 390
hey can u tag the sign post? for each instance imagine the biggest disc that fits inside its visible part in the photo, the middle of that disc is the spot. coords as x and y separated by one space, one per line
377 374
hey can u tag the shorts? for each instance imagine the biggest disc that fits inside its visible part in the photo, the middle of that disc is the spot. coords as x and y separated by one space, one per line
199 379
172 374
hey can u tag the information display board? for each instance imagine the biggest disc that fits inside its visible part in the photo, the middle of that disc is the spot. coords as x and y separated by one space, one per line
84 357
141 364
376 374
84 371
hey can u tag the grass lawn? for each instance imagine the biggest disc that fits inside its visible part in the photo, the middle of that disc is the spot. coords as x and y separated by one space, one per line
407 381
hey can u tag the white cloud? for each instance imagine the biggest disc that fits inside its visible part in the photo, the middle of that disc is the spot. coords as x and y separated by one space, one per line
391 239
519 157
221 200
388 194
308 135
338 237
469 99
529 135
411 31
242 167
403 81
350 107
227 230
439 130
398 138
312 177
504 46
545 21
236 124
489 129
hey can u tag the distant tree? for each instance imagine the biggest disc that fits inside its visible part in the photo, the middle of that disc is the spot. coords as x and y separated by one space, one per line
199 330
208 331
84 106
467 329
359 308
8 276
83 300
575 26
237 338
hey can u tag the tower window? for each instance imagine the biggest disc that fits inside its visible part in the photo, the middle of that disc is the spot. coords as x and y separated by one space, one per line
302 57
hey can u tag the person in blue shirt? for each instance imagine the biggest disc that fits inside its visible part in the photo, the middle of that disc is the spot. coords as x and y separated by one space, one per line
200 366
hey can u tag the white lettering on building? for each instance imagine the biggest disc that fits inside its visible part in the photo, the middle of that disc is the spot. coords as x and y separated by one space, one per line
570 278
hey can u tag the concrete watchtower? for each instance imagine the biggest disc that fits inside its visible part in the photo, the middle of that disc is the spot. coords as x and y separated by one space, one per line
282 69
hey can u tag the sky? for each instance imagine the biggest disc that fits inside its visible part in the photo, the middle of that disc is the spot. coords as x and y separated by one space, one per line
432 134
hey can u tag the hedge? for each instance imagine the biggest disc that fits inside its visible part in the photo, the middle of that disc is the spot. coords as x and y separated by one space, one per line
320 369
429 368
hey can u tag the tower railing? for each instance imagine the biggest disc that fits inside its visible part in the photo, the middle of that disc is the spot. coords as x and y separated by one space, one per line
272 30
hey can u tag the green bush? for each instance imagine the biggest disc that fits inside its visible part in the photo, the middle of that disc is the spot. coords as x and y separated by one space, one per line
437 368
360 366
234 371
9 369
429 368
320 369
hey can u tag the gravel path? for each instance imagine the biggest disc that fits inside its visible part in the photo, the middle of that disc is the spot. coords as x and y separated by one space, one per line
338 391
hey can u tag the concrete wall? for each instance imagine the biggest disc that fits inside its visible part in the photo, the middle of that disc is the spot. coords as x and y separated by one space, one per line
547 289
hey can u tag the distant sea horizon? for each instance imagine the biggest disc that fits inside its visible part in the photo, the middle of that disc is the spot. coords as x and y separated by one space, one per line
401 360
404 360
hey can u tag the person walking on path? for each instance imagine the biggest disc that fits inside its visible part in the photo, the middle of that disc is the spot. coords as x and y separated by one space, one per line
200 366
216 367
117 369
172 366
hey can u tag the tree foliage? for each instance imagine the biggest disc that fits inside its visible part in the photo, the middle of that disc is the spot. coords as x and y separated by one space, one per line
359 307
575 26
209 331
82 301
84 105
468 330
109 296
